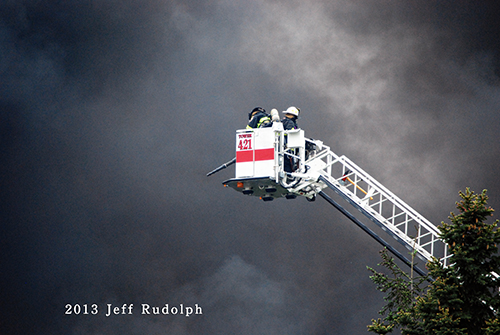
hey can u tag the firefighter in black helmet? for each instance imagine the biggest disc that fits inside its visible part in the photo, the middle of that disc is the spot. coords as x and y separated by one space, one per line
258 118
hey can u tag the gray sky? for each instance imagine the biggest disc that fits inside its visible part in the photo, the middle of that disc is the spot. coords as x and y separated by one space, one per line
112 112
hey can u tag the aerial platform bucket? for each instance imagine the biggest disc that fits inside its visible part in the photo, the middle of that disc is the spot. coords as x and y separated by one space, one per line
255 153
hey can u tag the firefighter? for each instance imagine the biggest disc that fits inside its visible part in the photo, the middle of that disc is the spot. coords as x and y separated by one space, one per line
258 118
290 122
290 119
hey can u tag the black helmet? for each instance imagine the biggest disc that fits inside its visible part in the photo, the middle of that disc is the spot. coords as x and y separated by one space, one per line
256 109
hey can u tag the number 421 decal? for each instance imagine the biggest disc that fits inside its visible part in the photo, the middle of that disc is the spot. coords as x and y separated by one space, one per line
245 144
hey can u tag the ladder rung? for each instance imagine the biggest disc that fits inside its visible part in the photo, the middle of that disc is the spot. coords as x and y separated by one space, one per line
405 222
378 202
395 216
427 243
424 235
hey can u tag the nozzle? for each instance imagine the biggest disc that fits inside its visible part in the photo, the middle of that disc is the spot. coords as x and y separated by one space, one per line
275 116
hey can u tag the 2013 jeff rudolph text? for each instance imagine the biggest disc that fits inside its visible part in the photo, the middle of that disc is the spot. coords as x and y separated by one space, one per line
128 309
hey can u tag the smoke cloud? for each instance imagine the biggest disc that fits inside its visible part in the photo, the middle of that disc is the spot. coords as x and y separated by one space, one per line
112 112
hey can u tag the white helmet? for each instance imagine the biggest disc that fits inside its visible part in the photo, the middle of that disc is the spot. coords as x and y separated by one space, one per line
293 111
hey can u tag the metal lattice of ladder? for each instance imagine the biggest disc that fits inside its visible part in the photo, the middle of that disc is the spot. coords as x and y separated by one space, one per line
326 169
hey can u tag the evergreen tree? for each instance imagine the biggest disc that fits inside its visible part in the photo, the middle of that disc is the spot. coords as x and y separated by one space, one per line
462 298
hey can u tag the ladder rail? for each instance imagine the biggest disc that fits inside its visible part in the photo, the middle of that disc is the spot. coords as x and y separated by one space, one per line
374 202
391 196
396 233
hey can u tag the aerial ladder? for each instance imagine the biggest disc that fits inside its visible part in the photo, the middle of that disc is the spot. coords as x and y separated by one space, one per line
275 163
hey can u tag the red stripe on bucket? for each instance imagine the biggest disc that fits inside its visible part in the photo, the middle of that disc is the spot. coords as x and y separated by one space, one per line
264 154
260 155
244 156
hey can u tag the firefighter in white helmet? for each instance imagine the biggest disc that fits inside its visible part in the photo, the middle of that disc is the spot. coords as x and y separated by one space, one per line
290 119
290 122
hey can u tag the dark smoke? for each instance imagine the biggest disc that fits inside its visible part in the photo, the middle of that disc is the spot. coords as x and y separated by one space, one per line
112 112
